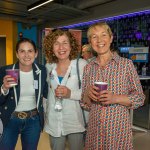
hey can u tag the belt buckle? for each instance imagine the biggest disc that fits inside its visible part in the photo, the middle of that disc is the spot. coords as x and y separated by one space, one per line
22 115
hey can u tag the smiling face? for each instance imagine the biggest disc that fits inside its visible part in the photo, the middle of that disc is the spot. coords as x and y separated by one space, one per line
26 55
100 39
62 48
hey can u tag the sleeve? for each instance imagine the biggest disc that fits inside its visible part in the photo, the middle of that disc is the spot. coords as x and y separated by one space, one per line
2 95
1 76
4 92
76 93
85 85
47 71
136 95
45 89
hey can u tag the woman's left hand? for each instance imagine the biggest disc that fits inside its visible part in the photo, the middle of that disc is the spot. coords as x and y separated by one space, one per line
63 91
106 97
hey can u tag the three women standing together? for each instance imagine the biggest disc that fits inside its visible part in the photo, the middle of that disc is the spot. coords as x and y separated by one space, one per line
109 126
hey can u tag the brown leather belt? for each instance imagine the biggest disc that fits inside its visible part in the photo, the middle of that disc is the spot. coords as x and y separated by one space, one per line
25 114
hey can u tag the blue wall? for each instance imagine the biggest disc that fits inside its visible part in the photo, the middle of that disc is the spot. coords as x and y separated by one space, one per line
28 31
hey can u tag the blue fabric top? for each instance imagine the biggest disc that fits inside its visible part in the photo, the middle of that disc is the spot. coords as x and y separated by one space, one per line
60 79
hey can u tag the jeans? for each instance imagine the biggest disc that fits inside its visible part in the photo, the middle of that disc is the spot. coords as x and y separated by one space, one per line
28 128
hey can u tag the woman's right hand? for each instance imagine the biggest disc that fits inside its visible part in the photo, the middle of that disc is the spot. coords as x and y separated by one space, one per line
92 93
62 91
6 82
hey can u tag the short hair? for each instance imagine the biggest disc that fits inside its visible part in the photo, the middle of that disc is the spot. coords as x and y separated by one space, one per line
24 40
51 38
100 24
88 47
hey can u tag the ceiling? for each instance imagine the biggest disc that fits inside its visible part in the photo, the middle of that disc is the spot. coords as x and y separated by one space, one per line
54 12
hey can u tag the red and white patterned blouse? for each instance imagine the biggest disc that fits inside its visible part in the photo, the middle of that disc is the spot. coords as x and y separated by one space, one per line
109 126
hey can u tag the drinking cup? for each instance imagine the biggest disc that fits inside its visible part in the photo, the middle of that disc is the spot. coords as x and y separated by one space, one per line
14 73
101 85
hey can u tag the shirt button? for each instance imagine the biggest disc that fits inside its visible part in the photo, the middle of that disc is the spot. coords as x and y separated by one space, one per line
5 107
12 97
0 113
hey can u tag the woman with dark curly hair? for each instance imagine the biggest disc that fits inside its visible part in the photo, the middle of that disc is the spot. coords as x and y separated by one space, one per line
64 118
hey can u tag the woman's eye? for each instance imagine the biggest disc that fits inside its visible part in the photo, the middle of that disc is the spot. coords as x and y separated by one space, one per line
105 34
65 42
56 44
30 51
21 51
94 36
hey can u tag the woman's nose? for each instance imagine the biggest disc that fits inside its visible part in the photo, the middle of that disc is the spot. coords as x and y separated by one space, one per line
26 54
99 38
61 45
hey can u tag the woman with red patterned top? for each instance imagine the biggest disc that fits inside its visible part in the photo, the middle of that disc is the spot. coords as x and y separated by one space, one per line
109 126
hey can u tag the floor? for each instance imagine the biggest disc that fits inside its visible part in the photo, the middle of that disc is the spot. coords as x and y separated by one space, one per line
141 141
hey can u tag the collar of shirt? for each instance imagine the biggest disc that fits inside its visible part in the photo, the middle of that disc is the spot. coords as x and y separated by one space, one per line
115 58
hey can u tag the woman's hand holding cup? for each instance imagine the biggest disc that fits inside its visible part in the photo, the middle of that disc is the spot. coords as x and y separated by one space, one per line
12 76
101 89
6 83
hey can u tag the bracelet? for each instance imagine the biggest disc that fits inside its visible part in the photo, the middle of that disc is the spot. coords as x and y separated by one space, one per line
3 91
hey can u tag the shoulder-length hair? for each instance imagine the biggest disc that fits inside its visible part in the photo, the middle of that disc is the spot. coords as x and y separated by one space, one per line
51 38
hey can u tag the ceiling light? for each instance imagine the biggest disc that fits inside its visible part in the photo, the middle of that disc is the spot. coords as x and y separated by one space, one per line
38 4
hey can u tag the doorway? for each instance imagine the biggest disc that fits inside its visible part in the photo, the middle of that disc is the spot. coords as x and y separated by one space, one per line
2 50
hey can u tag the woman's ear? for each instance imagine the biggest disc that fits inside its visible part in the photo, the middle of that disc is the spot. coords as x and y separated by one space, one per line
36 54
111 38
89 41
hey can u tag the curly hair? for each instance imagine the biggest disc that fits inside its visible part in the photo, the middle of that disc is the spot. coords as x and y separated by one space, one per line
51 38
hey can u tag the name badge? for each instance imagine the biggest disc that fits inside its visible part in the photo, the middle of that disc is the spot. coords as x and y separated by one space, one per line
35 84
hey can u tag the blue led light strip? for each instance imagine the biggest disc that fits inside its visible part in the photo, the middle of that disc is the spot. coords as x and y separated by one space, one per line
106 19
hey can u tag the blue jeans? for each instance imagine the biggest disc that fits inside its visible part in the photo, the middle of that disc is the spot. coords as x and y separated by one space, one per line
28 128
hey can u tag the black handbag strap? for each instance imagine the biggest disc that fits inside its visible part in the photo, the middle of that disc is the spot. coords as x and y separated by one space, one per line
79 83
78 72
